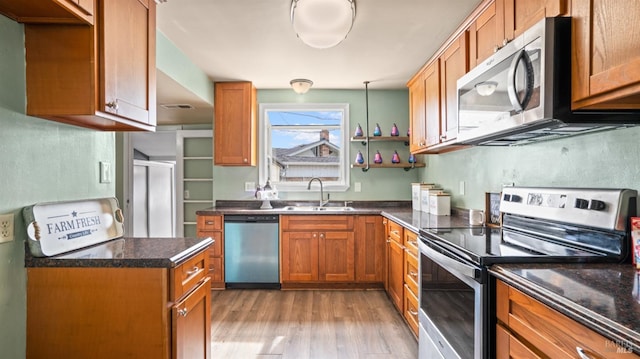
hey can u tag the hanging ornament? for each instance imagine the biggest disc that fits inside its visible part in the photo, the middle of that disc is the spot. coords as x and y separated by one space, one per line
359 158
395 158
358 132
412 158
377 131
377 158
394 130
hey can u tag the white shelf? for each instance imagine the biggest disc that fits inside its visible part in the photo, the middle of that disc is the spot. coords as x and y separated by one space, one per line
198 158
198 201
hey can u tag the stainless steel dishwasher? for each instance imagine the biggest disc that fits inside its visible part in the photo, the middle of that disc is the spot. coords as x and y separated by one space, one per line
251 251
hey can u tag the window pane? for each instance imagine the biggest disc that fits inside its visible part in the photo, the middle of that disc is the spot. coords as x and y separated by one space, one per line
303 143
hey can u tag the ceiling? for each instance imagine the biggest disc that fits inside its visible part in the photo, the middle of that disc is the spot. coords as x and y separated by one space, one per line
253 40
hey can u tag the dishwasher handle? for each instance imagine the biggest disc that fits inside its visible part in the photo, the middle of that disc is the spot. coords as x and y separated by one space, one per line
250 218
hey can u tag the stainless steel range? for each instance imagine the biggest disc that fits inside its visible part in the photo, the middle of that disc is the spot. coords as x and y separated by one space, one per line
539 225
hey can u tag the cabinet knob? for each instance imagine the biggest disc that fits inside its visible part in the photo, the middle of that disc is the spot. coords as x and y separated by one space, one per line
113 105
413 274
209 222
582 353
245 160
182 312
496 48
321 235
193 271
315 235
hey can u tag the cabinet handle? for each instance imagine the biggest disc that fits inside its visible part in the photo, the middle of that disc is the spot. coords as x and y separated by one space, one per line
413 274
112 105
208 222
582 354
413 312
182 312
396 233
245 160
415 243
315 235
193 271
321 235
388 240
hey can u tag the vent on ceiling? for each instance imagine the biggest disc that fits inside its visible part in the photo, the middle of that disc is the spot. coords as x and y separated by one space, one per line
177 106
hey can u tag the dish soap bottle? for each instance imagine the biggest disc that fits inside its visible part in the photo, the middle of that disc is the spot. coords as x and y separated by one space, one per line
377 158
394 130
395 158
377 131
359 158
358 132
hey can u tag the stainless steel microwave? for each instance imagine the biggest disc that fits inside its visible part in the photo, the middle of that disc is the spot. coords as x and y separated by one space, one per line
522 93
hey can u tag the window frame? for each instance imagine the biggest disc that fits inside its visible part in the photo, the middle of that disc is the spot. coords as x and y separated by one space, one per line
342 185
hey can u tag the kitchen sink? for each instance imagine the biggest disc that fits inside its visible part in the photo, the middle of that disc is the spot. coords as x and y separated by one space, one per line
317 209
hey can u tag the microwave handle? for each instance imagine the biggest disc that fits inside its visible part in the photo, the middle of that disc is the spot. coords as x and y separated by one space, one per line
518 105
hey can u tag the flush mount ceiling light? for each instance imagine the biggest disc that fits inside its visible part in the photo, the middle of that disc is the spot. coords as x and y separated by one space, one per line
322 23
301 85
486 88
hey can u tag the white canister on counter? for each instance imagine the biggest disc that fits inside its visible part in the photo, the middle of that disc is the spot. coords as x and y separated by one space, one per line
424 198
416 189
440 204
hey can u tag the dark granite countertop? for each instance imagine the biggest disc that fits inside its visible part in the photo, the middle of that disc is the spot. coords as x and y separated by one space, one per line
604 297
126 252
397 211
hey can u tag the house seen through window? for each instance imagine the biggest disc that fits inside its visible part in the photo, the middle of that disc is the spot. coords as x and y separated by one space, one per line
303 141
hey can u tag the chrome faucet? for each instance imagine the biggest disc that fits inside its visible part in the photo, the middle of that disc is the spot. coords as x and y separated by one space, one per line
322 202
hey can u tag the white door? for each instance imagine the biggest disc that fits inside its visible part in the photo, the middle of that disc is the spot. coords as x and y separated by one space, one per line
154 199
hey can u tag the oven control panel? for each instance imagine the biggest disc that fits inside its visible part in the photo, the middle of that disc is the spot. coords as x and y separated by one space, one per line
601 208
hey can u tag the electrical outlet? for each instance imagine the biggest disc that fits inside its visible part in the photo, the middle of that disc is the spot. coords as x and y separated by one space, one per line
249 186
6 227
358 187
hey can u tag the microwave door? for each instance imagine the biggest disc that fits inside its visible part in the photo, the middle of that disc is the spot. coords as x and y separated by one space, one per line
484 103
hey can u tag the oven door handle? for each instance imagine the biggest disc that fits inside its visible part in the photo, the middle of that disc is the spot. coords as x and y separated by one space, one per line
450 263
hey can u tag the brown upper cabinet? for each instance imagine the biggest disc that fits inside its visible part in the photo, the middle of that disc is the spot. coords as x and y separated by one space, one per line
453 65
486 32
100 77
520 15
49 11
424 95
235 124
606 54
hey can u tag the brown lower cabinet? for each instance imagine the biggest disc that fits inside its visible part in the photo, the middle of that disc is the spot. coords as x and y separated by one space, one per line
212 226
116 312
527 328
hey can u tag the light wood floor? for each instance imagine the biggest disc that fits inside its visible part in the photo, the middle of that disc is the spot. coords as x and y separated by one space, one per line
308 324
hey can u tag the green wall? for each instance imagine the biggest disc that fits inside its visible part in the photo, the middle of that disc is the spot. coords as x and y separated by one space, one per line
606 159
386 107
41 161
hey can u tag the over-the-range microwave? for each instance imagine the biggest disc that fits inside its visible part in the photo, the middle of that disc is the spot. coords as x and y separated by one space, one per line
522 93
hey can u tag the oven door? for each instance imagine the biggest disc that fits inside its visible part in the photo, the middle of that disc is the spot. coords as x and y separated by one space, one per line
453 310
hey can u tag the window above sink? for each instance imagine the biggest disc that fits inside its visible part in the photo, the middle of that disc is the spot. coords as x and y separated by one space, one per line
303 141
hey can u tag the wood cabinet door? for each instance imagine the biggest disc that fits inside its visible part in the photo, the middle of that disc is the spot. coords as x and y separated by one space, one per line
191 328
486 33
520 15
370 248
507 346
299 260
417 112
235 124
432 102
216 256
453 65
396 274
127 60
336 257
606 54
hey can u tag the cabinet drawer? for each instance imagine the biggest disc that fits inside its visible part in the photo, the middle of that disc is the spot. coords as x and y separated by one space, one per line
411 310
216 248
411 242
411 272
395 232
216 271
316 223
550 332
189 273
209 223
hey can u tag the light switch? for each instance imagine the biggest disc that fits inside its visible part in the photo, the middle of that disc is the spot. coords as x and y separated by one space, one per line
105 172
358 187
